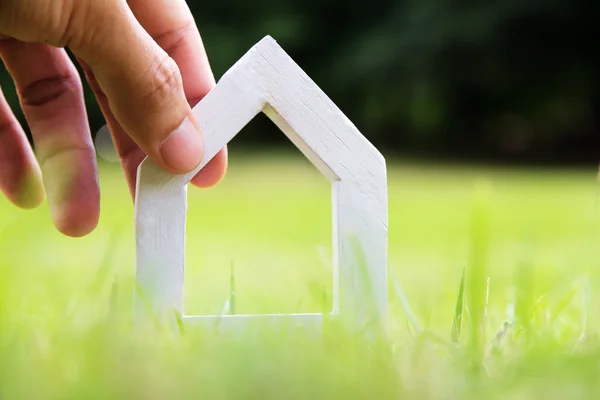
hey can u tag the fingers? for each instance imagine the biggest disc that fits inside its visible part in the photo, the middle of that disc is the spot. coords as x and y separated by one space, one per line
213 172
131 155
143 88
20 175
172 26
51 96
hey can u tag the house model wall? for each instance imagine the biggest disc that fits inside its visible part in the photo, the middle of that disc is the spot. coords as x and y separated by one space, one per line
267 80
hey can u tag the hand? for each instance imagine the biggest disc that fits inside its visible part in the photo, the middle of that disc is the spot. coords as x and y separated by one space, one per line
146 64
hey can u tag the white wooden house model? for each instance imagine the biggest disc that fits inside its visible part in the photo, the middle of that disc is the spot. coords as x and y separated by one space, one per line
267 80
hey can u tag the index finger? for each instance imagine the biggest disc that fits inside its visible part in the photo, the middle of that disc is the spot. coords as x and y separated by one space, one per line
171 24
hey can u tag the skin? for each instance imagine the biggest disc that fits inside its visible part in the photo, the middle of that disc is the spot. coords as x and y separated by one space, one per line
147 66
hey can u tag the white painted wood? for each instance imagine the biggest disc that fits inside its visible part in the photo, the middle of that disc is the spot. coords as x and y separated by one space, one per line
267 80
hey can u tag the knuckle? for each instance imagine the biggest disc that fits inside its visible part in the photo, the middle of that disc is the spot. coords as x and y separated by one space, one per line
75 22
66 151
81 24
66 33
176 38
47 22
163 82
44 91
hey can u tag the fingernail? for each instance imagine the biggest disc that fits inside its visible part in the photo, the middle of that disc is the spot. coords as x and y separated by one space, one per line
182 149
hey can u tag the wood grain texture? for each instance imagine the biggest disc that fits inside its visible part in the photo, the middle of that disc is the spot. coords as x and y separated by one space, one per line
267 80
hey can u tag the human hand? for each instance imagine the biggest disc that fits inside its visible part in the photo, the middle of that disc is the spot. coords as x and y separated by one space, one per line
147 67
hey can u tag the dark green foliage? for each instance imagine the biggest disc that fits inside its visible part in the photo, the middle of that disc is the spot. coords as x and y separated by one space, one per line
469 79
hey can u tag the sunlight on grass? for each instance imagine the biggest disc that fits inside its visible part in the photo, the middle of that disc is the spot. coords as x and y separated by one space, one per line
523 315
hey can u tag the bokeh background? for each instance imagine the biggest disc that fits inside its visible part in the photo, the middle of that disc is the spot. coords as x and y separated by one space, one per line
488 114
500 80
450 92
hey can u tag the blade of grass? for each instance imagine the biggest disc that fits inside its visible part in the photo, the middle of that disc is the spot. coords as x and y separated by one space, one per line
179 321
500 334
585 303
106 264
485 307
487 297
435 338
113 301
524 304
476 275
458 311
229 306
226 308
562 304
401 296
232 293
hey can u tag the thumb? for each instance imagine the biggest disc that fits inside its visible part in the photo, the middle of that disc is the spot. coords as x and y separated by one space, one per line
143 88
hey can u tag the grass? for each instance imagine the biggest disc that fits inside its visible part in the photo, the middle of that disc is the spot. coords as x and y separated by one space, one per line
494 283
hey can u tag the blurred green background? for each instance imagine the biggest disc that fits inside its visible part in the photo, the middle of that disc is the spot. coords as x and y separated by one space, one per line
502 80
65 304
451 92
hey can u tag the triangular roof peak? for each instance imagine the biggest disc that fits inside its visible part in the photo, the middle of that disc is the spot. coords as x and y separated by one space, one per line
266 79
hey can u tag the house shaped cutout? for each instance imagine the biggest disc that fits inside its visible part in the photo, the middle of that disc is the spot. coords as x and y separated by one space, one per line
267 80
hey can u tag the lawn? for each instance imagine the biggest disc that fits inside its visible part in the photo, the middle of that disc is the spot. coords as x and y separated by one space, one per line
527 238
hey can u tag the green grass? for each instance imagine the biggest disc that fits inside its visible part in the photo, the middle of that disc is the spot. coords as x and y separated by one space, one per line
521 322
